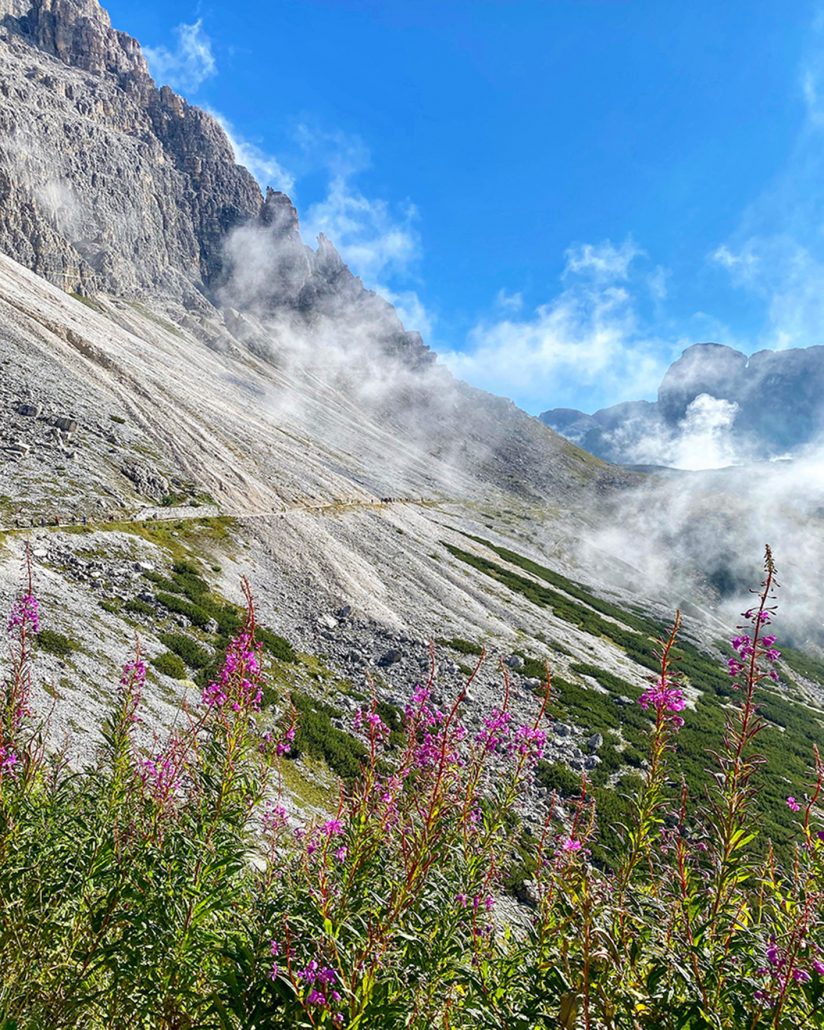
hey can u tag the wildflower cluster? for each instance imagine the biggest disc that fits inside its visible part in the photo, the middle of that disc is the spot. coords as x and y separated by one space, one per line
238 685
176 886
25 615
666 699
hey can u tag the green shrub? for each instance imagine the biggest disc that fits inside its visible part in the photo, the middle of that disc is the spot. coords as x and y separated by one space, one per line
197 615
170 665
276 645
138 607
554 776
57 643
195 656
318 737
462 646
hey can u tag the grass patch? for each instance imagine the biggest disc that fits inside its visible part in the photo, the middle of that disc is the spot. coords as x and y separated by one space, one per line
57 643
462 646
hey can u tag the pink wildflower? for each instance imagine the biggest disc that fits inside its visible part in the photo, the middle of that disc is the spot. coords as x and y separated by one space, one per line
495 729
666 699
238 684
792 804
284 745
529 742
25 615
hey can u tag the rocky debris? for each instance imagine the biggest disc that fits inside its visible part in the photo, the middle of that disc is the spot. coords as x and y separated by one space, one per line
147 481
515 662
595 743
390 657
114 186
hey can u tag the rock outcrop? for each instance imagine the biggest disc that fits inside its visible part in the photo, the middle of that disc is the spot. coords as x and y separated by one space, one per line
109 183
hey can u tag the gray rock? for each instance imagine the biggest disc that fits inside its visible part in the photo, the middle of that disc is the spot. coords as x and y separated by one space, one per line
514 661
595 742
390 657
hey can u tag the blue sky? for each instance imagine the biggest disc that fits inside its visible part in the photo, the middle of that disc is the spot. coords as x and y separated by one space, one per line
561 195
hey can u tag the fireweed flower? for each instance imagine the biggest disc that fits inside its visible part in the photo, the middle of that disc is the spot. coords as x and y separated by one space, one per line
419 712
370 724
528 742
774 957
570 844
238 684
322 980
284 745
667 699
792 804
133 674
161 774
495 729
275 818
763 618
8 761
25 614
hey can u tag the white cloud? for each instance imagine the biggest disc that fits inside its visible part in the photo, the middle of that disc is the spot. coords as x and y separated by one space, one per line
603 261
373 239
590 335
411 310
191 62
509 301
703 439
787 277
265 167
657 283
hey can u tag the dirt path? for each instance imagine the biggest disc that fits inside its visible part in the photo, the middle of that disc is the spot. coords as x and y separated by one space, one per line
148 515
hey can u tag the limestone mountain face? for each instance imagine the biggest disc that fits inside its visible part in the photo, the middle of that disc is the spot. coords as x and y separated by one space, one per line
113 187
773 406
107 183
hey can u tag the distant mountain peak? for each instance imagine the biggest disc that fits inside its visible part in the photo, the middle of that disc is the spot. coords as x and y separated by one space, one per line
762 406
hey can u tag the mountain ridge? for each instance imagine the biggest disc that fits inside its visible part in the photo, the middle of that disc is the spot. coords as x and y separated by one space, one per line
762 406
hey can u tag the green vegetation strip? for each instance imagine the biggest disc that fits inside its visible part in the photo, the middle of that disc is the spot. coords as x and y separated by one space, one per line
787 743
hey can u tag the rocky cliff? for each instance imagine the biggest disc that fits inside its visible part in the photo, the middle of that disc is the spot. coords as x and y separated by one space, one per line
111 184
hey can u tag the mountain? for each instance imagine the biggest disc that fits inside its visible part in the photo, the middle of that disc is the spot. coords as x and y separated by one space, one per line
763 406
185 379
191 394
